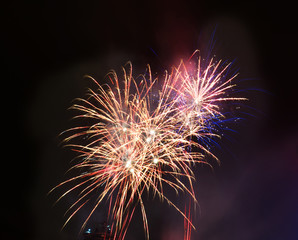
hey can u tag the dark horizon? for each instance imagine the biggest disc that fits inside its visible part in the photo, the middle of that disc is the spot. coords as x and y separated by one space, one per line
51 45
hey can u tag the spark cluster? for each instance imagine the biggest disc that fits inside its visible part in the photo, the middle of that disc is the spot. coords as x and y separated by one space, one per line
140 136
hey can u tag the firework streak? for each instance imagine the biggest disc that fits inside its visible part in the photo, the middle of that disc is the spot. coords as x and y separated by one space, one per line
143 134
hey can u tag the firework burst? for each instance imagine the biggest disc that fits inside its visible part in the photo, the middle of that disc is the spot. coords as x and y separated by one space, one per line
140 138
201 88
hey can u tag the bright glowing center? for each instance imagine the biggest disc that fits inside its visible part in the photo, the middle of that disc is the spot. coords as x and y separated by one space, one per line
128 164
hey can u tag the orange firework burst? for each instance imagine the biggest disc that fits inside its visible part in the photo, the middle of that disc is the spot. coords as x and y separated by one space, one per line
140 137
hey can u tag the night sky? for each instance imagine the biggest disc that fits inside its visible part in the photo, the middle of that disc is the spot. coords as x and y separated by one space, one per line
50 45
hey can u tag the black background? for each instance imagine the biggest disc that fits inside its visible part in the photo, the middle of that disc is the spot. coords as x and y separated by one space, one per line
49 46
